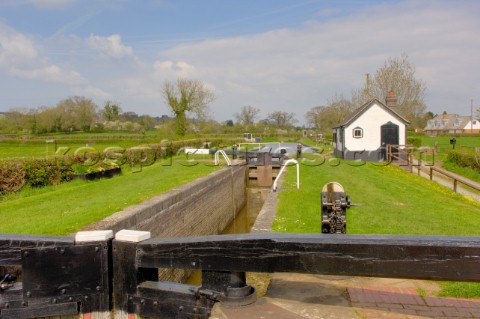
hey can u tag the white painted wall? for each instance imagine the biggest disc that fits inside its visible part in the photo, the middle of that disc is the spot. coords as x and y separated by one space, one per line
475 126
370 122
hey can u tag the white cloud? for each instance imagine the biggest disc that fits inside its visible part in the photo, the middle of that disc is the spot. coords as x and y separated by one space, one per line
92 92
291 69
20 57
171 70
48 73
111 46
296 69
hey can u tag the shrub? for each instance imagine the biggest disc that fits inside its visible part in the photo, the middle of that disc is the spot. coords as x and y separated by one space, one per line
464 160
15 173
47 171
12 176
415 141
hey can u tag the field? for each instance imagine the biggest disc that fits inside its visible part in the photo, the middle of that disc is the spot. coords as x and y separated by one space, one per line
461 141
463 144
389 201
66 208
40 147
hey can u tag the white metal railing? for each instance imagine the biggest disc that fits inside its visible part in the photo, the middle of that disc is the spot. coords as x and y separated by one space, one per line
274 188
217 157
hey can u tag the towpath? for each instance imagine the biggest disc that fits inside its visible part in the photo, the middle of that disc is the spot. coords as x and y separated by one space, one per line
447 181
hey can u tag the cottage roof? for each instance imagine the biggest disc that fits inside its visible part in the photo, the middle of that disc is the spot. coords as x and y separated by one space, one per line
362 109
445 122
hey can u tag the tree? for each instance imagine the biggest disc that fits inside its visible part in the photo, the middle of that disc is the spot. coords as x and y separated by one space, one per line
324 118
48 119
16 119
397 75
185 96
76 113
282 119
129 116
147 122
247 115
111 111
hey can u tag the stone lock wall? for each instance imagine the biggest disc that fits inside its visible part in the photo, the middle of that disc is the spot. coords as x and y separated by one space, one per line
202 207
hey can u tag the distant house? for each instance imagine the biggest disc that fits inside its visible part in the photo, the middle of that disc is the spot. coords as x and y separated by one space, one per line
451 124
365 133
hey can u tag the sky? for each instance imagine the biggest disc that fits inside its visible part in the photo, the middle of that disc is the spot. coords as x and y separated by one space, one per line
275 55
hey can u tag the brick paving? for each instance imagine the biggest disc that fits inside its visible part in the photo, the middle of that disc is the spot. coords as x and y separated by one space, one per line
382 302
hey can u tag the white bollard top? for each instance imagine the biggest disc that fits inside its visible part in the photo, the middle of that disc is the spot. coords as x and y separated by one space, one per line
133 236
94 235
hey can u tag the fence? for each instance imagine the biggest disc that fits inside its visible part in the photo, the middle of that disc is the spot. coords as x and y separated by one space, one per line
401 153
455 178
61 276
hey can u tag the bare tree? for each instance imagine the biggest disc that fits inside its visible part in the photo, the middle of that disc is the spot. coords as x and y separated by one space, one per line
282 119
247 115
185 96
397 75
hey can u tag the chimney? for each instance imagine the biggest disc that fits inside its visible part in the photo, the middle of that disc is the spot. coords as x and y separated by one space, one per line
391 100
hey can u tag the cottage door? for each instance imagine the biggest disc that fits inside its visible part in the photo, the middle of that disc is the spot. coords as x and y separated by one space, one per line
389 135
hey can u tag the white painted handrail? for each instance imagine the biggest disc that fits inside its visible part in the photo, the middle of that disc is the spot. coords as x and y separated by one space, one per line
281 172
217 157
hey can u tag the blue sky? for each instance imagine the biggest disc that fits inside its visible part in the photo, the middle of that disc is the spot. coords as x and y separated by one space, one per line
285 55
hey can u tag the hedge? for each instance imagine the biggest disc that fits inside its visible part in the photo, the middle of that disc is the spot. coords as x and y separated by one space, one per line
464 160
15 173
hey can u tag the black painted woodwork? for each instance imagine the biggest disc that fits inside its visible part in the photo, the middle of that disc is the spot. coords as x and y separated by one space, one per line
58 276
416 257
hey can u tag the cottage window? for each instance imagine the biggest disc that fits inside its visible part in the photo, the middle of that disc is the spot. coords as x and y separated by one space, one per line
357 132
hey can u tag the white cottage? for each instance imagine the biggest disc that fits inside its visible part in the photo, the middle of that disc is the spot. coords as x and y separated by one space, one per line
452 124
363 134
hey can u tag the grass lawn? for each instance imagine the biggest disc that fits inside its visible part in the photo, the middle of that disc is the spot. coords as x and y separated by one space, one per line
463 144
19 149
444 140
464 171
392 202
68 207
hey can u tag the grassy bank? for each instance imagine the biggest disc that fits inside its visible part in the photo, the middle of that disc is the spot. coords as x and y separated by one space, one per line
391 200
26 149
66 208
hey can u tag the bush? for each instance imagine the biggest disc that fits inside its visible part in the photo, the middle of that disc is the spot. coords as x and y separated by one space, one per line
12 176
15 173
464 160
415 141
42 172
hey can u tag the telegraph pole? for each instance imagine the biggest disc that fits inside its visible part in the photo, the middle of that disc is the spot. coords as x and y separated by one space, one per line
471 116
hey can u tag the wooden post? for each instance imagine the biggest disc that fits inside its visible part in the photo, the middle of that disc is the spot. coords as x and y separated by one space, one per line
431 173
104 304
125 274
419 163
455 185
